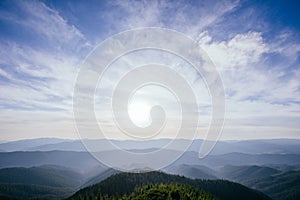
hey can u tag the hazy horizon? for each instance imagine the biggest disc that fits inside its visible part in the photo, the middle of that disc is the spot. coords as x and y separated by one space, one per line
78 139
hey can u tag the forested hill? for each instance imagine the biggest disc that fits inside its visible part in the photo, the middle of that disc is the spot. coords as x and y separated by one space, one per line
170 191
116 186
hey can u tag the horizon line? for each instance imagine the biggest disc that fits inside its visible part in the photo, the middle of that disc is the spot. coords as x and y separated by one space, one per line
113 139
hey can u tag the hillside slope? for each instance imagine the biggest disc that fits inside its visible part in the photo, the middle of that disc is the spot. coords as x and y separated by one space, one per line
53 176
282 186
169 192
45 182
192 171
243 174
125 183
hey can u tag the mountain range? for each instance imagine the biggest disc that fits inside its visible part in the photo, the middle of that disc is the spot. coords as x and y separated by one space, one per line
29 173
267 146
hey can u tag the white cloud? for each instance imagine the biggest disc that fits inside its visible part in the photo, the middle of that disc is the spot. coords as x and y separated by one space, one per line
46 21
34 74
188 18
5 74
241 50
37 98
255 91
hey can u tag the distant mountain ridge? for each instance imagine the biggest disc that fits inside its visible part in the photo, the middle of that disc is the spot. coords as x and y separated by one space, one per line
277 146
80 161
243 174
84 161
191 171
24 145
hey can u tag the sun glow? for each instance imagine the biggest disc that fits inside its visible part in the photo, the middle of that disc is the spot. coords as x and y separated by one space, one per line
139 113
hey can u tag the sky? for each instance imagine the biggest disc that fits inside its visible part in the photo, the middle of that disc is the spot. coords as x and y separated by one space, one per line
255 46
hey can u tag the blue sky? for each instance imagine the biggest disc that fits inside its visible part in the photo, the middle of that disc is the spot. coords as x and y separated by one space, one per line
255 45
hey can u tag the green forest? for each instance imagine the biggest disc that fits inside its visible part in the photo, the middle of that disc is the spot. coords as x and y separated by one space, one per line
157 192
163 186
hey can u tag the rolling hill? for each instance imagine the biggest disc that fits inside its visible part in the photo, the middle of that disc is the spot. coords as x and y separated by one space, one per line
243 174
80 161
125 183
45 182
192 171
281 186
279 183
53 176
99 177
32 192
